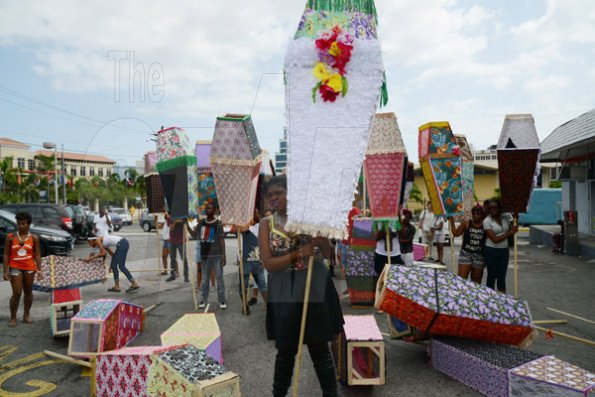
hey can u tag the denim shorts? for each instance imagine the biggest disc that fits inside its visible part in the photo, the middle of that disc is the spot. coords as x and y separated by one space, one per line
166 244
17 272
474 259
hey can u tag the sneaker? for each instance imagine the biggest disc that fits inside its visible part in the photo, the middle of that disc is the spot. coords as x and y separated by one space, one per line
202 306
170 278
222 305
252 301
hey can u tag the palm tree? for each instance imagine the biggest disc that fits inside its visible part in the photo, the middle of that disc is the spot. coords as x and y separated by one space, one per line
30 188
8 174
416 195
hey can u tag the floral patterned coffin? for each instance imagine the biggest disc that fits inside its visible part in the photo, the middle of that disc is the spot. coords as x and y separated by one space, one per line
198 329
150 161
440 159
63 272
385 167
187 371
172 143
334 81
102 325
179 179
441 303
482 366
123 372
363 236
550 376
518 159
359 263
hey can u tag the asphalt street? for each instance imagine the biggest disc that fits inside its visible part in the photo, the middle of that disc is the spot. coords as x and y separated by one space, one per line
560 282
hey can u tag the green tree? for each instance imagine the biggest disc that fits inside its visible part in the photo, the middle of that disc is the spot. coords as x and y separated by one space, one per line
9 174
416 195
30 188
555 184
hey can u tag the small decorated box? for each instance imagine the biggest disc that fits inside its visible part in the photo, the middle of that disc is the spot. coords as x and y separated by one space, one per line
359 352
124 372
482 366
198 329
66 303
186 371
103 325
550 376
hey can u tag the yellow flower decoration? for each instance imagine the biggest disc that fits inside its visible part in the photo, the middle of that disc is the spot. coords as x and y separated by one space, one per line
335 82
320 72
334 50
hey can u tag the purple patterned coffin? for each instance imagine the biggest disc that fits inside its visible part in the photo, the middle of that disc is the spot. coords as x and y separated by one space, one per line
482 366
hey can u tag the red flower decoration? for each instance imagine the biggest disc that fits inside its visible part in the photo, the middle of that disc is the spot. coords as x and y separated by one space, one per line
327 93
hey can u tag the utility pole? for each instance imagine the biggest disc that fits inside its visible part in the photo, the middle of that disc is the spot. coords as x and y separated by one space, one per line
63 178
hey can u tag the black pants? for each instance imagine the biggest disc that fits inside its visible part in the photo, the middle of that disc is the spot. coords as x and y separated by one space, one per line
323 364
497 264
381 260
173 248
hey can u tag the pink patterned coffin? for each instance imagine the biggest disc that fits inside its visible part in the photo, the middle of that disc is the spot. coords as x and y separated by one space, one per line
550 376
123 372
359 352
103 325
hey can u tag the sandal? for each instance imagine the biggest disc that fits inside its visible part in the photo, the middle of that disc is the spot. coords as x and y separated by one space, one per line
132 289
114 289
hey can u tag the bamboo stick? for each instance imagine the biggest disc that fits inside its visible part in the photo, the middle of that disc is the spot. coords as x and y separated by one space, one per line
241 255
148 309
388 247
571 337
192 273
550 321
452 252
571 315
516 264
296 378
68 359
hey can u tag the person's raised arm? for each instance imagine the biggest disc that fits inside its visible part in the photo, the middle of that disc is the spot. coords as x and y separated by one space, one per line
277 263
456 232
193 231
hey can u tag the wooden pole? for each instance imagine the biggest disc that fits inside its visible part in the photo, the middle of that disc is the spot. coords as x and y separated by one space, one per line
571 315
158 247
68 359
571 337
364 194
516 263
388 247
241 255
191 269
296 378
550 322
452 252
148 309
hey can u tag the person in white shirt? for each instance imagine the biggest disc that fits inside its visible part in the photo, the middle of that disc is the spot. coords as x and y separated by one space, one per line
118 254
438 229
102 223
426 223
382 251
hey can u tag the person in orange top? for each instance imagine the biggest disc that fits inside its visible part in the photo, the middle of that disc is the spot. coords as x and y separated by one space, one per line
21 260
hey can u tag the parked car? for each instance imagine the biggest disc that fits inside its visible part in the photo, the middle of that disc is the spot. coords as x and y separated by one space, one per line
124 214
45 215
147 222
79 221
117 221
52 241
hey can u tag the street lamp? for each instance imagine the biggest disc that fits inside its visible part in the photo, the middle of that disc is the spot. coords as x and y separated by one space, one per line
49 146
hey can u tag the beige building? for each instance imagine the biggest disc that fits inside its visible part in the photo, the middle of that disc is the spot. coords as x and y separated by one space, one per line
76 164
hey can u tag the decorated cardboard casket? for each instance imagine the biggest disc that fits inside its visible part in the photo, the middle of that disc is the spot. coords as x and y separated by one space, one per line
467 174
155 195
440 159
102 325
235 160
187 371
518 158
358 262
123 372
64 272
334 80
550 376
441 303
482 366
385 167
177 170
66 303
359 352
198 329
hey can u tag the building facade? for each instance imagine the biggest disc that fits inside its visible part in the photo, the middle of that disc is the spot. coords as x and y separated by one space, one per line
281 155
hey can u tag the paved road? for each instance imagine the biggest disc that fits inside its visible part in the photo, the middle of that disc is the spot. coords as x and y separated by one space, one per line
561 282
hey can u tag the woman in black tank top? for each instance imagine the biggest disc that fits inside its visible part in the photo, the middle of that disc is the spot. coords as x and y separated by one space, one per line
471 260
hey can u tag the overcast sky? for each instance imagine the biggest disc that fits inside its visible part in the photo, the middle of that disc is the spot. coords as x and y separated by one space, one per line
66 67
